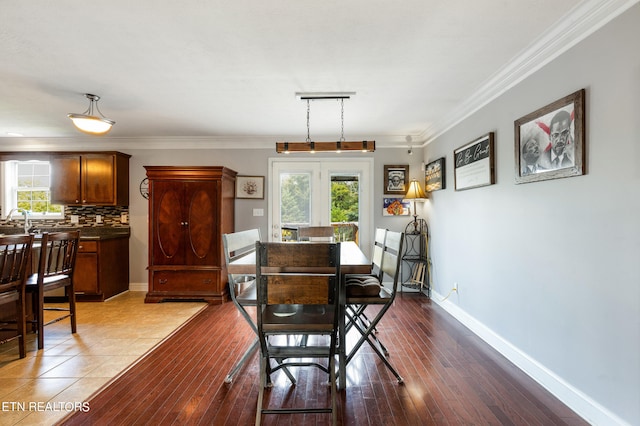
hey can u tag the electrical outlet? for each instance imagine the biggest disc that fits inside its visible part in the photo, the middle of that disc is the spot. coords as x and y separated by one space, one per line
98 218
75 219
455 287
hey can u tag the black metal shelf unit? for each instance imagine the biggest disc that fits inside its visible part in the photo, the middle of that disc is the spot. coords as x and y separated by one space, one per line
415 257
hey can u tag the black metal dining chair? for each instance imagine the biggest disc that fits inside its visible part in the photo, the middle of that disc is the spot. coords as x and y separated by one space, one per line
298 285
55 270
359 297
15 253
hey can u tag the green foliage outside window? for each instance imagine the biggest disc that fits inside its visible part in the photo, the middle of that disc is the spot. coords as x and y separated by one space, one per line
294 198
37 202
33 192
296 205
344 201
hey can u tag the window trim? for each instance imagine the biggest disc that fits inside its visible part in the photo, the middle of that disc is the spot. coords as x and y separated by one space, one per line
9 191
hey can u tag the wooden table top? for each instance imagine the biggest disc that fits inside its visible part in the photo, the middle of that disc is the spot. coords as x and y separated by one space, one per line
352 261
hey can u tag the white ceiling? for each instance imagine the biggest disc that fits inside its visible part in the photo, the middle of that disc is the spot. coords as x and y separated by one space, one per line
227 71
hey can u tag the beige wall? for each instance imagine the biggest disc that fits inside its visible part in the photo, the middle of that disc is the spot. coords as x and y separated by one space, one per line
245 162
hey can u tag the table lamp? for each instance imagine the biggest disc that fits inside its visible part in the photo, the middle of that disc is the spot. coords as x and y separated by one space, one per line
415 193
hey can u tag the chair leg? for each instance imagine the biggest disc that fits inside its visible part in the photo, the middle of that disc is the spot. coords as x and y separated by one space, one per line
386 361
263 384
38 315
367 335
358 312
358 316
334 390
248 353
71 296
22 326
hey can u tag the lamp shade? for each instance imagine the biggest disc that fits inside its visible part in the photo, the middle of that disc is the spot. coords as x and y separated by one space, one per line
90 123
415 192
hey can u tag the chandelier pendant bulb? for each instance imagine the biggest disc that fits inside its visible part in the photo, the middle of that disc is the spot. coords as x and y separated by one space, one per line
89 122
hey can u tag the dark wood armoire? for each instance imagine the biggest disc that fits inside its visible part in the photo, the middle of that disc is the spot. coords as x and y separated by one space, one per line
189 210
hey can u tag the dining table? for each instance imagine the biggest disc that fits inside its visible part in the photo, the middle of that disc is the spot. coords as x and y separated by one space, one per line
352 261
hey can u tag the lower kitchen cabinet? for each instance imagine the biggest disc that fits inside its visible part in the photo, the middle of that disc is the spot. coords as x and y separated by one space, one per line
102 269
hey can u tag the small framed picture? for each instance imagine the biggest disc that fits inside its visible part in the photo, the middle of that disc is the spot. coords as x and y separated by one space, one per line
549 142
434 175
396 179
250 187
474 163
395 207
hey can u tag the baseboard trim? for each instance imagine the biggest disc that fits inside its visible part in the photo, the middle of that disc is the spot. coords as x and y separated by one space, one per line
584 406
138 287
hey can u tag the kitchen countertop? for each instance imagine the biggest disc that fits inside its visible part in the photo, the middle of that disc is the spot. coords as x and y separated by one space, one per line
86 233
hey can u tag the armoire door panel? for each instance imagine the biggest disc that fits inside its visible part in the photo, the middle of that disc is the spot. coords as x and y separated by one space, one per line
201 215
169 226
202 222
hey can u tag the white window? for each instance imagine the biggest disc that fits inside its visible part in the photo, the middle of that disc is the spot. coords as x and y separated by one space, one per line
26 186
306 192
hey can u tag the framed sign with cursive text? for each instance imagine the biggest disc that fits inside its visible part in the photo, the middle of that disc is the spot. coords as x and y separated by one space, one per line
474 163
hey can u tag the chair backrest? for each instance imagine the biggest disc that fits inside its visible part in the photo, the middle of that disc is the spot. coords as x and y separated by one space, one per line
297 273
58 254
14 261
378 250
391 256
316 233
240 244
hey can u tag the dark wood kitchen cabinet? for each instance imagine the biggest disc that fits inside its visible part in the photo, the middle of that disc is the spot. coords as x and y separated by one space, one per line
189 210
94 178
102 269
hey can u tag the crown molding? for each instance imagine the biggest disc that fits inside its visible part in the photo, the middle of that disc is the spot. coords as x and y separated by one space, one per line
102 143
582 21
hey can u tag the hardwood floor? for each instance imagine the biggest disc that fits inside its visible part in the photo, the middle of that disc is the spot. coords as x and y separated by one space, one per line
450 377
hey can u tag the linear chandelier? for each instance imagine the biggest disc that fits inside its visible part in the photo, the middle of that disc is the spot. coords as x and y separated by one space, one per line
90 123
338 146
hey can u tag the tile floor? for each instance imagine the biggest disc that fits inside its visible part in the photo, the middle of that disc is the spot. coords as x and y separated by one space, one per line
41 388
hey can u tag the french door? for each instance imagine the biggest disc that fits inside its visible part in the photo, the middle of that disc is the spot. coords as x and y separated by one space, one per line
321 192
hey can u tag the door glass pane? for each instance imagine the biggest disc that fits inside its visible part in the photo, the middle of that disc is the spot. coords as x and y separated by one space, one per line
322 192
345 206
295 203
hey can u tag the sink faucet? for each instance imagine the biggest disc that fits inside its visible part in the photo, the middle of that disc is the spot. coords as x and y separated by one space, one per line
25 213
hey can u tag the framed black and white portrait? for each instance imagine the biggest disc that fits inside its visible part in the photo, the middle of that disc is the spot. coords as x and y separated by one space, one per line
549 142
396 179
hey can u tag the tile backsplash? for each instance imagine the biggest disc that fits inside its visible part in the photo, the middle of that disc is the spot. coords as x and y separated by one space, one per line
111 217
